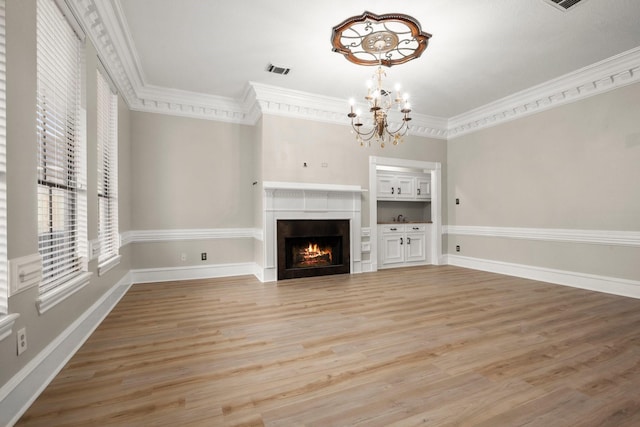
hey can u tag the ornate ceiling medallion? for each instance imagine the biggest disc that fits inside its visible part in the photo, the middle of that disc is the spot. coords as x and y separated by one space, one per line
371 39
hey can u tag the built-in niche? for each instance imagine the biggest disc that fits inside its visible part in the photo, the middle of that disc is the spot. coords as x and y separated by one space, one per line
410 211
393 193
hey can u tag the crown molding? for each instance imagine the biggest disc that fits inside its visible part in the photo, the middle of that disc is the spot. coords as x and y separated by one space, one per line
177 102
611 73
292 103
104 22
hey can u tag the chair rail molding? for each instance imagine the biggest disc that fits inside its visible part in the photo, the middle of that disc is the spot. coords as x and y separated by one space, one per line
139 236
600 237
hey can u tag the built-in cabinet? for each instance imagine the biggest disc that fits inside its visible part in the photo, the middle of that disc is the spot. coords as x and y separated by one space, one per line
402 244
403 186
405 210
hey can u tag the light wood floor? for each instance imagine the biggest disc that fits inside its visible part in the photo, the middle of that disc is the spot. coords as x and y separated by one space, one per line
433 346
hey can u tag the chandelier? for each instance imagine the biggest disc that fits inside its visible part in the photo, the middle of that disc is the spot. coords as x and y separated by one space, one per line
377 40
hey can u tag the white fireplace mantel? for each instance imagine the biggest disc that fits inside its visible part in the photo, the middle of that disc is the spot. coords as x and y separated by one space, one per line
296 200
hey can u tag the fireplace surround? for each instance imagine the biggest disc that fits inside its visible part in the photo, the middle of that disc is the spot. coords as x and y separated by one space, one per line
306 201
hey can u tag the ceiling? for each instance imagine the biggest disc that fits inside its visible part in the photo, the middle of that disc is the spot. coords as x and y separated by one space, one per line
481 50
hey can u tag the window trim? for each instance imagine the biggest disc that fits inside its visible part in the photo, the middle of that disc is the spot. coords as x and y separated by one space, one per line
73 190
7 320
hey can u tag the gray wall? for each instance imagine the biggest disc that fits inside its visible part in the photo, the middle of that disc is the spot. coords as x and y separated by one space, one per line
21 189
573 167
191 174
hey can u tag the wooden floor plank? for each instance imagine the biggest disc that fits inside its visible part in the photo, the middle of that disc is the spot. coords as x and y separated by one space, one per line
435 345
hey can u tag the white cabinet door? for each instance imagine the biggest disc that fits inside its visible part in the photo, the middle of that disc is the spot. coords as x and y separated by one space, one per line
386 186
402 244
415 247
404 189
392 249
423 189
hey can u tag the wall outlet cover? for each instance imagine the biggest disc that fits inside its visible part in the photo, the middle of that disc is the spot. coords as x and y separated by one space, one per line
21 335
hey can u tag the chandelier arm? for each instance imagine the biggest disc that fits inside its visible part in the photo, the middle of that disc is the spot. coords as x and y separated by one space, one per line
404 126
363 135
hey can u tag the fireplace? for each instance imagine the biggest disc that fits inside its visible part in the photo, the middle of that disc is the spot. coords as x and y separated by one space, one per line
312 248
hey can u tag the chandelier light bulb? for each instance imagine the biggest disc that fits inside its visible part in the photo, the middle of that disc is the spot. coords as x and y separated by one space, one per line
351 104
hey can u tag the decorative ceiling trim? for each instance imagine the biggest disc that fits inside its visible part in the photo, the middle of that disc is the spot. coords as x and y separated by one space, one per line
190 104
113 44
297 104
104 22
611 73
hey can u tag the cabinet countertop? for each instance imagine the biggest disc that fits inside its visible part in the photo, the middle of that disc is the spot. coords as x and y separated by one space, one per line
404 222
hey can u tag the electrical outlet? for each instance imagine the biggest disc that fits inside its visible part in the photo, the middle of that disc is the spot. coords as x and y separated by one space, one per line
183 256
21 335
203 256
457 248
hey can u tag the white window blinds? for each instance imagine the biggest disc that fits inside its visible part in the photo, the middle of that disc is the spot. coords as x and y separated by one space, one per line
4 289
107 171
61 161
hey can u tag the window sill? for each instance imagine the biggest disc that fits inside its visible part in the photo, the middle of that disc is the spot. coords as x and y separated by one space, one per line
108 264
59 294
6 324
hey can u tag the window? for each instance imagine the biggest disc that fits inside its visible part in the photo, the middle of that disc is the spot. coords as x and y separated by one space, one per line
62 224
107 175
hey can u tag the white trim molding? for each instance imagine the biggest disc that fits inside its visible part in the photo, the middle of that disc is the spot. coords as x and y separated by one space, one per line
24 273
168 274
126 237
280 101
143 236
26 385
52 298
599 237
592 282
603 76
109 264
6 324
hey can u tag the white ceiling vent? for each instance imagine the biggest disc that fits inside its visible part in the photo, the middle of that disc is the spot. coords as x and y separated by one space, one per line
564 5
278 70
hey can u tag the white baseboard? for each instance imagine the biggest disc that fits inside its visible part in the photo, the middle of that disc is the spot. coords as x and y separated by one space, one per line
168 274
22 390
592 282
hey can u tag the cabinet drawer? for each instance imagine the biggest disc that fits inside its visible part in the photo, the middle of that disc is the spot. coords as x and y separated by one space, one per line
415 227
391 228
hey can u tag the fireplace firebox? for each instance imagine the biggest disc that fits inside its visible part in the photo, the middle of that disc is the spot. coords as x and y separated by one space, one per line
312 248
